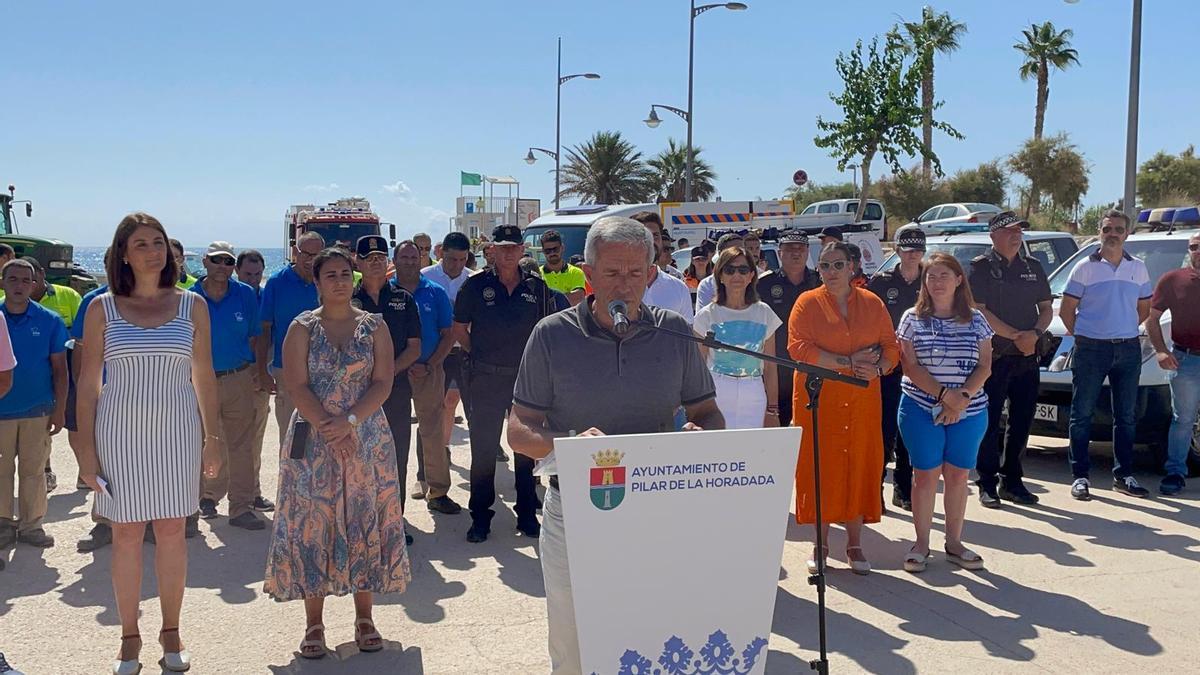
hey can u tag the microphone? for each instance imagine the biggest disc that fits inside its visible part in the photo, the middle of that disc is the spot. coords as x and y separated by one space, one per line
618 310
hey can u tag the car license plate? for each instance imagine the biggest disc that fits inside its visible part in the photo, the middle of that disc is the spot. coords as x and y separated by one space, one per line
1046 412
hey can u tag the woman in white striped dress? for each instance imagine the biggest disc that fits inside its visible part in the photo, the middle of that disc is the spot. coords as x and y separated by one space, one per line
147 405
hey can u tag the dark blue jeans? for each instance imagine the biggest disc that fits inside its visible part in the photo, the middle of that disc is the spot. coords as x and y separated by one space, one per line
1121 363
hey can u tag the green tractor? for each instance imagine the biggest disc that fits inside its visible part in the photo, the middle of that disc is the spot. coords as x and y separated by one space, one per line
55 256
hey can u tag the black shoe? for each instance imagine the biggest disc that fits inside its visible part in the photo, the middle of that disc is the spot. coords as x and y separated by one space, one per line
191 527
501 456
248 521
529 527
1017 493
1129 486
901 502
36 537
478 533
988 497
1171 485
5 668
444 505
99 537
458 419
408 540
262 504
51 482
208 509
412 419
148 536
1081 489
82 486
8 535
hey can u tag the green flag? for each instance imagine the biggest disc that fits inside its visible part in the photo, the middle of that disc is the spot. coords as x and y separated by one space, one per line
471 178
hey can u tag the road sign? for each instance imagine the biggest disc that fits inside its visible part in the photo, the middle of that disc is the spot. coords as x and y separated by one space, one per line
800 177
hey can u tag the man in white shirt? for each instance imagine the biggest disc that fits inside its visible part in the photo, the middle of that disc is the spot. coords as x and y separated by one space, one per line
663 290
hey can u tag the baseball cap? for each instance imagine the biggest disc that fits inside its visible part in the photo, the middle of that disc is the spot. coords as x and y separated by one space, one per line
832 231
911 239
371 243
793 236
1006 219
507 235
220 248
699 252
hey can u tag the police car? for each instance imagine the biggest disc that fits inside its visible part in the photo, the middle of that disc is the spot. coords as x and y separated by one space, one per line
1162 252
1049 248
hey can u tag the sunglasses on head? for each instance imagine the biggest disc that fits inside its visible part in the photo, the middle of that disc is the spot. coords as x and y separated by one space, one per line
737 269
838 265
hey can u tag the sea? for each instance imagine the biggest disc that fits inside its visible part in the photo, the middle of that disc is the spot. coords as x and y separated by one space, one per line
91 258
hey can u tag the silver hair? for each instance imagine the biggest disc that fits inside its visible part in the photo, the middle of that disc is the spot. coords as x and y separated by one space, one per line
617 230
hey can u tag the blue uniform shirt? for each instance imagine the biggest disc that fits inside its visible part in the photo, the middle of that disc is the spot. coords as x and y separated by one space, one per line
77 324
436 315
36 334
285 296
234 320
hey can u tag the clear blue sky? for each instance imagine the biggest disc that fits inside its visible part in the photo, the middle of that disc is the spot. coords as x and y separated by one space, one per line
216 116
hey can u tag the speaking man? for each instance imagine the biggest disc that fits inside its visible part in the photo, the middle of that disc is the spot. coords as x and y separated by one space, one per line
625 384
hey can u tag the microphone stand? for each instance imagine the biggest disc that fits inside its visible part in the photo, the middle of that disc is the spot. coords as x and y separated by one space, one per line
815 377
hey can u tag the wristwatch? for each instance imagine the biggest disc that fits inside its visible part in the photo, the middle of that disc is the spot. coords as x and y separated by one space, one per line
352 419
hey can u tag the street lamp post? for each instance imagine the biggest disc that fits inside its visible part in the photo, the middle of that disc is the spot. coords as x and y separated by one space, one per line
529 158
853 169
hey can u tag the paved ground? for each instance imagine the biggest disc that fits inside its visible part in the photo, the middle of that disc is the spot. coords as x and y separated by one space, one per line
1110 586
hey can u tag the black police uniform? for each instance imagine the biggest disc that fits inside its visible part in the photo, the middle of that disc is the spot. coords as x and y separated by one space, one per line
775 289
898 296
403 319
501 323
1010 291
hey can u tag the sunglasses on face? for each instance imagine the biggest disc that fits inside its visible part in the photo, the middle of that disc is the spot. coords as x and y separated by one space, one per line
551 250
838 265
223 261
737 269
1112 230
1194 247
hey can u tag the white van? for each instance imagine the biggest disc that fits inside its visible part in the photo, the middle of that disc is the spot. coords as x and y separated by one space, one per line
572 222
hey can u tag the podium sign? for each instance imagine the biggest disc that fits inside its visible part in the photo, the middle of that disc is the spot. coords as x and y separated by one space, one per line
675 542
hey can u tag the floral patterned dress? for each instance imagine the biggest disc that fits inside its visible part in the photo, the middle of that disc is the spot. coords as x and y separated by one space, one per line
338 527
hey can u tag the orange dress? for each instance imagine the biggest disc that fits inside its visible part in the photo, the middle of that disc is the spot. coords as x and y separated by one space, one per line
850 419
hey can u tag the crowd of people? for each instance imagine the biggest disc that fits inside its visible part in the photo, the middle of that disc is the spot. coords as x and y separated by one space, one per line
165 391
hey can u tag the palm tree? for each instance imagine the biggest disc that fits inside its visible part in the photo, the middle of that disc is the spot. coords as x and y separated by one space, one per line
668 173
933 34
1043 47
607 169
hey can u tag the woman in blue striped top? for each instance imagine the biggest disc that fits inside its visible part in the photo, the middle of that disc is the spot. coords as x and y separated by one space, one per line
946 349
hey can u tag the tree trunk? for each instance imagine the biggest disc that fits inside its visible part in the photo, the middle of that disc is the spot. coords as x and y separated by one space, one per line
1039 120
927 116
866 184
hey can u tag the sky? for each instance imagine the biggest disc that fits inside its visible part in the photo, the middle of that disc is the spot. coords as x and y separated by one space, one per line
217 116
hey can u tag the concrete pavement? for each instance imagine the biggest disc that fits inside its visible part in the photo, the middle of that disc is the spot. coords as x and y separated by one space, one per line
1108 586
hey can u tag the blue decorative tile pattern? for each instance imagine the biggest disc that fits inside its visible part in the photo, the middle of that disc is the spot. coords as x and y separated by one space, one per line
717 657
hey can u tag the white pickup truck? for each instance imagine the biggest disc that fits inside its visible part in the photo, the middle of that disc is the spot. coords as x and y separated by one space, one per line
839 212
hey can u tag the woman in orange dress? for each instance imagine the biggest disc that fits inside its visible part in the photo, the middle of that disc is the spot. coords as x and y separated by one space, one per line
847 329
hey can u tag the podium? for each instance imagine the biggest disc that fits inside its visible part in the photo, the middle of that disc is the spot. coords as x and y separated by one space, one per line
674 544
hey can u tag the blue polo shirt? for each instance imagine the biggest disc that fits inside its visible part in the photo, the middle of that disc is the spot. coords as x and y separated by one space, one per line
77 325
284 298
36 334
437 314
234 320
1108 296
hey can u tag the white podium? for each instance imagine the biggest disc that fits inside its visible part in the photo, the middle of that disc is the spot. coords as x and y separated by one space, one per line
674 544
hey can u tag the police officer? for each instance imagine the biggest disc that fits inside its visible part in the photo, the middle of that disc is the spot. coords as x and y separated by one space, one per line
898 288
779 289
1011 290
494 314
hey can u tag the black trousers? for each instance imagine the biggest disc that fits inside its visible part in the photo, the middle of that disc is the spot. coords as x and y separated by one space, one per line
786 381
1014 379
398 409
893 443
491 396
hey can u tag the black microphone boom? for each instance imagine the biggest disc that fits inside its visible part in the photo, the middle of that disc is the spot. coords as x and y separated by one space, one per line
619 311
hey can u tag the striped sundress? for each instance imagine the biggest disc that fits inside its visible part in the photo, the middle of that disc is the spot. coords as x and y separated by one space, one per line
148 430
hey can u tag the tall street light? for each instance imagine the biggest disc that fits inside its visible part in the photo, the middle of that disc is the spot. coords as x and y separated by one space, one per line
1131 120
529 158
689 187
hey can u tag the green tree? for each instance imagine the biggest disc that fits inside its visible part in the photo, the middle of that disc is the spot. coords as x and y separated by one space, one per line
1056 165
668 174
880 112
1089 222
813 192
1168 180
908 194
1044 48
607 169
933 34
985 183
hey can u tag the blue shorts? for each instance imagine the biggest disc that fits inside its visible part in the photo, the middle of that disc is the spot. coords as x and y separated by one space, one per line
932 445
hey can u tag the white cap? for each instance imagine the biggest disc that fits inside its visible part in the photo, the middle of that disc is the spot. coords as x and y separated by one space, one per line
220 247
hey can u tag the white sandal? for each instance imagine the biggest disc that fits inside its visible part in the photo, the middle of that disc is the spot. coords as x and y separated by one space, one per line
915 562
861 567
307 646
968 559
361 638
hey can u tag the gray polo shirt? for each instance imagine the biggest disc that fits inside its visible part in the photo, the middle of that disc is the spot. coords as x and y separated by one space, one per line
582 376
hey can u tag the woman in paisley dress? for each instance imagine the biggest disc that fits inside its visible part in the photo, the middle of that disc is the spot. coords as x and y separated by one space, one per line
338 526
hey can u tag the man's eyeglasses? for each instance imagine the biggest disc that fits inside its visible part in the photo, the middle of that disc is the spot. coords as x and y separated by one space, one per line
838 265
551 250
306 254
737 269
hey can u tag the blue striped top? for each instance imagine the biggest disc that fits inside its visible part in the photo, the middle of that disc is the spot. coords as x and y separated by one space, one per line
949 350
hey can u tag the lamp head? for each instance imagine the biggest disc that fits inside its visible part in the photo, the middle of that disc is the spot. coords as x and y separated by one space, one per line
652 121
529 158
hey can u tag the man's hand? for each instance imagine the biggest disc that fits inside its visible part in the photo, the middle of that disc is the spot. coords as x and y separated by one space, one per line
692 426
56 422
1166 361
418 370
592 432
1026 341
264 382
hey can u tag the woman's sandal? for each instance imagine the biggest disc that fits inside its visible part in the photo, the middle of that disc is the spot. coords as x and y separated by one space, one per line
313 649
370 641
812 561
130 667
861 567
915 562
176 662
968 559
